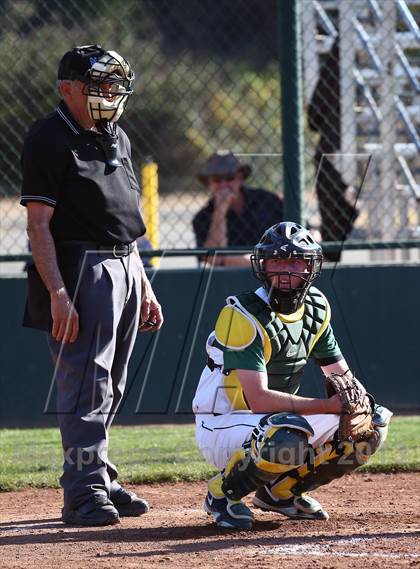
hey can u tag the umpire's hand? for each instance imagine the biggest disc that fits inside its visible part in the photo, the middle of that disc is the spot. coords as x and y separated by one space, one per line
65 317
151 317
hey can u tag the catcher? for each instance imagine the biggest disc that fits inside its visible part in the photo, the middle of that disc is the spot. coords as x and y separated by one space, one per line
249 423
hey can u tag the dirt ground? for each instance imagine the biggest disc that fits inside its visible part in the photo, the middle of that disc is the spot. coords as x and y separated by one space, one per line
374 521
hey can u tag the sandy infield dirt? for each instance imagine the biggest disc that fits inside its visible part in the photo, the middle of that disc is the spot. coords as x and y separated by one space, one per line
374 522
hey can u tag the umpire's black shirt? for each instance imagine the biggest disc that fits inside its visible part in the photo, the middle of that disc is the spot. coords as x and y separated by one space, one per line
64 167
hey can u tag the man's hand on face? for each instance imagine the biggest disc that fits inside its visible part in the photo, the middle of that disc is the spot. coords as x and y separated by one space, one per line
225 189
224 198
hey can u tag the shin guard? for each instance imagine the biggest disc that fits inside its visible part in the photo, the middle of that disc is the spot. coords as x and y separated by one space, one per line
278 445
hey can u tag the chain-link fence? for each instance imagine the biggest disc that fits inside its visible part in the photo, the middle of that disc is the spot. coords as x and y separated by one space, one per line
208 78
362 94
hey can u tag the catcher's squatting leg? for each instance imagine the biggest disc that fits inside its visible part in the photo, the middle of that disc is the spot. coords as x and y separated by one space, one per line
282 460
328 462
278 444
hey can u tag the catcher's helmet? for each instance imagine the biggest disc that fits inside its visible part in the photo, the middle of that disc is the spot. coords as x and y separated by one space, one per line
287 240
107 76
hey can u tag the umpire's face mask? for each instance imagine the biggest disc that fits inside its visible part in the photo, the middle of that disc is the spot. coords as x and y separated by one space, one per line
106 101
109 84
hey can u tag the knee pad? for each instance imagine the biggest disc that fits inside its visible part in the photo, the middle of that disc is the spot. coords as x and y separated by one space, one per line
278 444
333 460
284 444
364 449
381 419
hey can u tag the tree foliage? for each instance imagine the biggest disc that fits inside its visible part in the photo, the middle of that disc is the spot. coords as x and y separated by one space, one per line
207 75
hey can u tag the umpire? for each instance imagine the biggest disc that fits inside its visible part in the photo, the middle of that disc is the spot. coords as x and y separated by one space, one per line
87 287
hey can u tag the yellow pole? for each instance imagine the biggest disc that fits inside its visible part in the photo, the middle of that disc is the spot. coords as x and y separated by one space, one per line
150 190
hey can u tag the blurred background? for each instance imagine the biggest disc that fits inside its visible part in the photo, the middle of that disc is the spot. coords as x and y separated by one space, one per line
341 76
208 78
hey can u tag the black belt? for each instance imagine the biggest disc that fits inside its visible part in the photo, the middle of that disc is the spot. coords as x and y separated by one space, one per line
212 365
116 250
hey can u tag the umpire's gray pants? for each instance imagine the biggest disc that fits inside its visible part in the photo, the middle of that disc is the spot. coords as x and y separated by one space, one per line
91 373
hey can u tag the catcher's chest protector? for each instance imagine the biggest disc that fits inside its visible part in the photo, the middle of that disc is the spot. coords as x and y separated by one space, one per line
292 342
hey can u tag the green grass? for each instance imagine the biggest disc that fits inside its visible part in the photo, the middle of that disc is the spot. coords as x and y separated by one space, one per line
32 457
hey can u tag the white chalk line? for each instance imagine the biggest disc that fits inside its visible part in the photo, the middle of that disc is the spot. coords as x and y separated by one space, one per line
21 528
56 524
327 549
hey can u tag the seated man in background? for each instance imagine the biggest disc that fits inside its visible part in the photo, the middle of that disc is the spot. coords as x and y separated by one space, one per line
235 216
250 424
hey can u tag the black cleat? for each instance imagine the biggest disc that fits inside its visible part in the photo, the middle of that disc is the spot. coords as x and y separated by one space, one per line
97 511
128 503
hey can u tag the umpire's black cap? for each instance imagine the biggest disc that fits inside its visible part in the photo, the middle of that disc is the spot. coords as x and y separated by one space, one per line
75 64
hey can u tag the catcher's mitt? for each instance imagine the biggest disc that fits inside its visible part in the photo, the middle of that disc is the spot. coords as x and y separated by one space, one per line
358 406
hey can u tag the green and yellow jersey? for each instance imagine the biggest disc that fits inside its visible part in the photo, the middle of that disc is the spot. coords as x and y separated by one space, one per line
249 335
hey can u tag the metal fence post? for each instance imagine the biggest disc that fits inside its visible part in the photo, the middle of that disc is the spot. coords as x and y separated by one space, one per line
291 107
150 189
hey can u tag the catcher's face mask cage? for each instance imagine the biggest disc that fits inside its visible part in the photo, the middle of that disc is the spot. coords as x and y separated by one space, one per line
287 240
108 85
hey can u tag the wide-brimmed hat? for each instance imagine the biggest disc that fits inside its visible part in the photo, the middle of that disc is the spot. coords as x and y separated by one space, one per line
220 163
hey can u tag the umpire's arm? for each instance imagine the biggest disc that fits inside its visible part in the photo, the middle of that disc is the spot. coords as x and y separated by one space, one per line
65 318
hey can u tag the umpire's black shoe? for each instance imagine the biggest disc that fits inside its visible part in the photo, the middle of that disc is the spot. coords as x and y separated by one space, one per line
97 511
128 503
